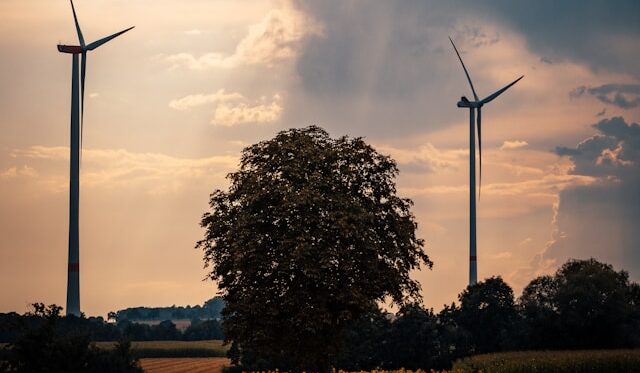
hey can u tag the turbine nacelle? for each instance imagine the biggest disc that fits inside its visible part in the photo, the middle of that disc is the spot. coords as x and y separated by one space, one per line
83 48
71 49
464 102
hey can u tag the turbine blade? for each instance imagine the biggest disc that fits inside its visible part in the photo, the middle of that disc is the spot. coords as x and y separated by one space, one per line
83 73
465 70
98 43
479 124
75 18
499 92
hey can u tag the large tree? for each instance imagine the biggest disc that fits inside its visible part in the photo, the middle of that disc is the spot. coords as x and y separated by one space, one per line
487 311
586 304
309 236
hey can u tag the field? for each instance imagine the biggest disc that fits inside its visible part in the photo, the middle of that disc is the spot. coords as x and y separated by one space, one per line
180 365
552 361
173 349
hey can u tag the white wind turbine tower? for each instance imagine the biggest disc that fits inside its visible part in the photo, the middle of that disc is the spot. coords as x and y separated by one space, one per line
473 105
77 113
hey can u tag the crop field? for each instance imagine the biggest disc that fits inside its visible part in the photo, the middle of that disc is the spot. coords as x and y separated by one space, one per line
173 349
552 361
184 365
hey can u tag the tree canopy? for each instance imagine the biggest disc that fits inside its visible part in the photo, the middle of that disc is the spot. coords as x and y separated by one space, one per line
309 236
487 311
586 304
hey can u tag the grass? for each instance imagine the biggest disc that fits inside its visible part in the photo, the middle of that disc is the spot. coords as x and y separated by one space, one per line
173 349
594 361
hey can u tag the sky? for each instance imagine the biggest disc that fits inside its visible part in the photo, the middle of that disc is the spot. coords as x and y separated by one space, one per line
171 104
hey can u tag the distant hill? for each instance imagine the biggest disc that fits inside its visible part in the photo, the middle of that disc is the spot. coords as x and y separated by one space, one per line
210 310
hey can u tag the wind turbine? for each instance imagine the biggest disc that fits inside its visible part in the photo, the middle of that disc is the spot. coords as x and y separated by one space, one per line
79 69
473 105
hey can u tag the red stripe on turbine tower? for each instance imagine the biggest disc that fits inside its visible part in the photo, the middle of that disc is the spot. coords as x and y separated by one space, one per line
473 258
74 267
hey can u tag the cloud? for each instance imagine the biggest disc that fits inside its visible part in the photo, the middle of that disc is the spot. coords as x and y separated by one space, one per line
193 32
229 114
548 186
191 101
526 241
502 255
608 153
625 96
600 219
596 33
154 173
476 37
426 158
546 60
15 172
388 66
277 37
515 144
233 108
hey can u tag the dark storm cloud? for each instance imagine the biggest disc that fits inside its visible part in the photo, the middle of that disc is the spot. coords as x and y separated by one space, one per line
381 47
602 34
616 127
386 65
625 96
563 151
601 220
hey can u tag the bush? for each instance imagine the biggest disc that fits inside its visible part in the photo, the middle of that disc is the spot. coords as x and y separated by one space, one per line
42 348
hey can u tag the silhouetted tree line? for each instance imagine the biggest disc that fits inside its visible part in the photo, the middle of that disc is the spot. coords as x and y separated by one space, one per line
584 305
209 310
13 326
44 345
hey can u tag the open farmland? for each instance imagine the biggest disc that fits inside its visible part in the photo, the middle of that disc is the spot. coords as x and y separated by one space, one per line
180 365
173 349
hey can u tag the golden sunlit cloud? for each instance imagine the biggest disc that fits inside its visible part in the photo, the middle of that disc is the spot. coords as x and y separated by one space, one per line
277 37
233 108
515 144
15 171
229 114
154 173
191 101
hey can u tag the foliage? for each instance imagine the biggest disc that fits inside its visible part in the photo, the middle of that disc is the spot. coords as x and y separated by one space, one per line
203 330
602 361
12 327
488 313
586 304
44 349
419 339
365 341
210 310
309 236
